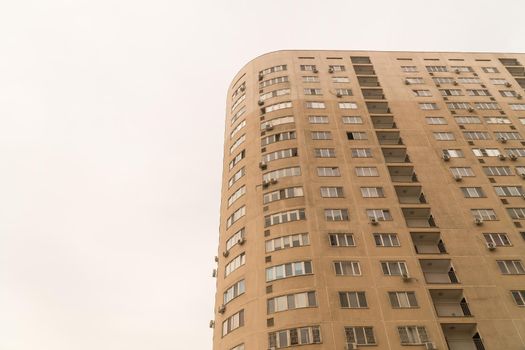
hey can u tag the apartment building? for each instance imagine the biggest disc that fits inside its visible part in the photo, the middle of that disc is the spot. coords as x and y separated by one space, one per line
373 200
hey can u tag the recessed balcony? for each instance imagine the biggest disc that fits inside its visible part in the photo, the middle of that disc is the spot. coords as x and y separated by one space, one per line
360 60
439 271
410 195
418 217
383 122
462 336
450 303
368 81
373 94
395 155
364 70
517 71
389 138
377 107
402 174
428 243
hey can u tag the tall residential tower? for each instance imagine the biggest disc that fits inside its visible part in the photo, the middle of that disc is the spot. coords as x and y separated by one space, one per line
373 200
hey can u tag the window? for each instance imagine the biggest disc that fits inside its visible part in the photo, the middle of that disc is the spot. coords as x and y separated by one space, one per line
394 268
347 105
274 93
238 114
467 120
239 213
520 170
518 152
379 214
284 217
486 152
332 192
337 68
511 267
324 152
237 159
353 300
336 215
298 268
414 80
290 302
444 136
321 135
360 335
433 69
497 120
484 214
508 93
238 102
361 153
340 80
402 300
277 121
498 239
408 69
372 192
498 81
343 92
318 119
497 171
507 135
458 105
443 80
436 120
312 91
239 90
238 347
451 92
285 193
236 177
476 135
295 336
469 80
234 264
284 136
487 105
341 239
238 128
472 192
234 239
273 81
328 171
347 268
412 335
285 172
428 106
356 135
461 68
490 69
289 241
366 171
310 79
308 67
516 213
234 291
386 240
517 106
273 69
278 106
519 297
352 120
236 195
453 153
315 105
283 153
509 191
478 92
233 322
421 93
462 171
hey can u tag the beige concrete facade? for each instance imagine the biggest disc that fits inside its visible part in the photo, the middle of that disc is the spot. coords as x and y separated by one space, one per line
457 294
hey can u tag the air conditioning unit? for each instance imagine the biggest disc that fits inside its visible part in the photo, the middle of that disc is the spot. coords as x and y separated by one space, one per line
458 177
226 253
523 195
273 181
478 221
263 165
222 309
315 70
261 76
339 94
407 82
507 84
374 221
455 82
438 84
502 139
405 277
445 157
351 346
241 241
512 156
457 71
268 127
502 157
265 183
330 70
519 97
243 88
430 346
522 175
260 102
212 323
214 273
491 245
216 259
470 109
263 110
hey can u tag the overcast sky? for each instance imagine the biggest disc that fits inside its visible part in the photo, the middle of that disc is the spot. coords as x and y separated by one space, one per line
111 132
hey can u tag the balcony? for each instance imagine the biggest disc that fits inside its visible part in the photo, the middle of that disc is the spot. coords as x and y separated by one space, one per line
389 138
360 60
462 336
368 81
509 62
450 303
521 82
378 107
395 155
383 122
438 271
402 174
364 70
410 195
517 71
428 243
418 217
373 94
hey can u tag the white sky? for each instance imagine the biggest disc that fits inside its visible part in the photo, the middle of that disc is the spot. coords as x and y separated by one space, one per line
111 131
